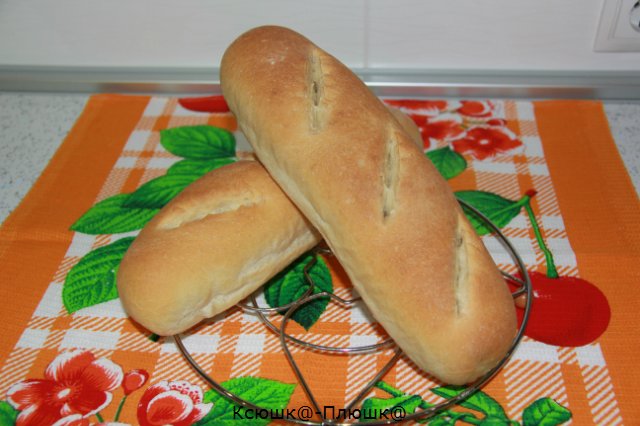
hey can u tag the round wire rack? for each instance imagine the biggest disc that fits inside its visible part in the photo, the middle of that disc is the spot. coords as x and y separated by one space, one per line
286 312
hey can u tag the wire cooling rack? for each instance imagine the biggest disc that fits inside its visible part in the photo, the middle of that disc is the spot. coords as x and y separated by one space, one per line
265 314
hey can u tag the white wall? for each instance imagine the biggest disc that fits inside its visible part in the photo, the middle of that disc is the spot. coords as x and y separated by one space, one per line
462 35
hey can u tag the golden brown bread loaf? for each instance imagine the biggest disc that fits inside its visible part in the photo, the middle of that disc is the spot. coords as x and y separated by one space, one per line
214 244
387 214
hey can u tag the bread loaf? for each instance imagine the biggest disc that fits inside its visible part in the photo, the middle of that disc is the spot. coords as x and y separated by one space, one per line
389 217
213 245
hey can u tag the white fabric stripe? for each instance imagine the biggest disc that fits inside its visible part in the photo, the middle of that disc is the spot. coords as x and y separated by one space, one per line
607 408
133 341
137 140
156 106
161 162
246 364
538 170
489 166
32 338
609 418
51 304
126 162
250 343
541 387
524 246
360 369
524 371
90 339
525 110
335 313
16 367
80 245
602 398
227 344
590 355
596 381
195 343
532 146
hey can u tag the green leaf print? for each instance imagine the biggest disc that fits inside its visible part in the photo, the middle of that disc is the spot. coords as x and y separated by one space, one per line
479 401
373 406
199 142
93 279
156 193
498 209
8 414
265 393
497 421
448 162
198 167
545 412
291 284
111 216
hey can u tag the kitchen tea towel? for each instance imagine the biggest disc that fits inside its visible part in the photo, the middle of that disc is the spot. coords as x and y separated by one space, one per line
546 172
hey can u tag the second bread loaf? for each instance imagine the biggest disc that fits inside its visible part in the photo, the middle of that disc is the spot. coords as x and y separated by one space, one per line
213 245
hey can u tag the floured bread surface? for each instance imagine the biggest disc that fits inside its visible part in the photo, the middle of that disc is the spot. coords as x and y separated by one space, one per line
388 215
214 244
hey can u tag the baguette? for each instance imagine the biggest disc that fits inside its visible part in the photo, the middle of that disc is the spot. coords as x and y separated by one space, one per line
382 207
213 245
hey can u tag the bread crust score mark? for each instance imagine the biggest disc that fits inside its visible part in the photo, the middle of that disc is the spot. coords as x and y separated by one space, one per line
461 271
316 89
222 207
390 175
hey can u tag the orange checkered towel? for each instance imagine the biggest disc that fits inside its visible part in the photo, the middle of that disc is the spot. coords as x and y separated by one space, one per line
547 173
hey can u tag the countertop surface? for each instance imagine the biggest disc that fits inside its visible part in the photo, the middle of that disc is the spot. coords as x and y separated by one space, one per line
33 125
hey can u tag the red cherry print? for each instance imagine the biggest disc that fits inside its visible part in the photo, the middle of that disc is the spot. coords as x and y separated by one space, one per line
565 311
214 103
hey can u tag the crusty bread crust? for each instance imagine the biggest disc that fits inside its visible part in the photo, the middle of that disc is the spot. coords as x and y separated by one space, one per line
213 245
408 125
385 211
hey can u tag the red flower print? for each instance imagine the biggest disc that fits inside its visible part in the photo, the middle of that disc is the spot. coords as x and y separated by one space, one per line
486 142
215 103
172 403
75 383
430 108
476 108
500 122
134 380
444 128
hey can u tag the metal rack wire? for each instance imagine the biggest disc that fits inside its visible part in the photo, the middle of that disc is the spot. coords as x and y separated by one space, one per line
524 288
